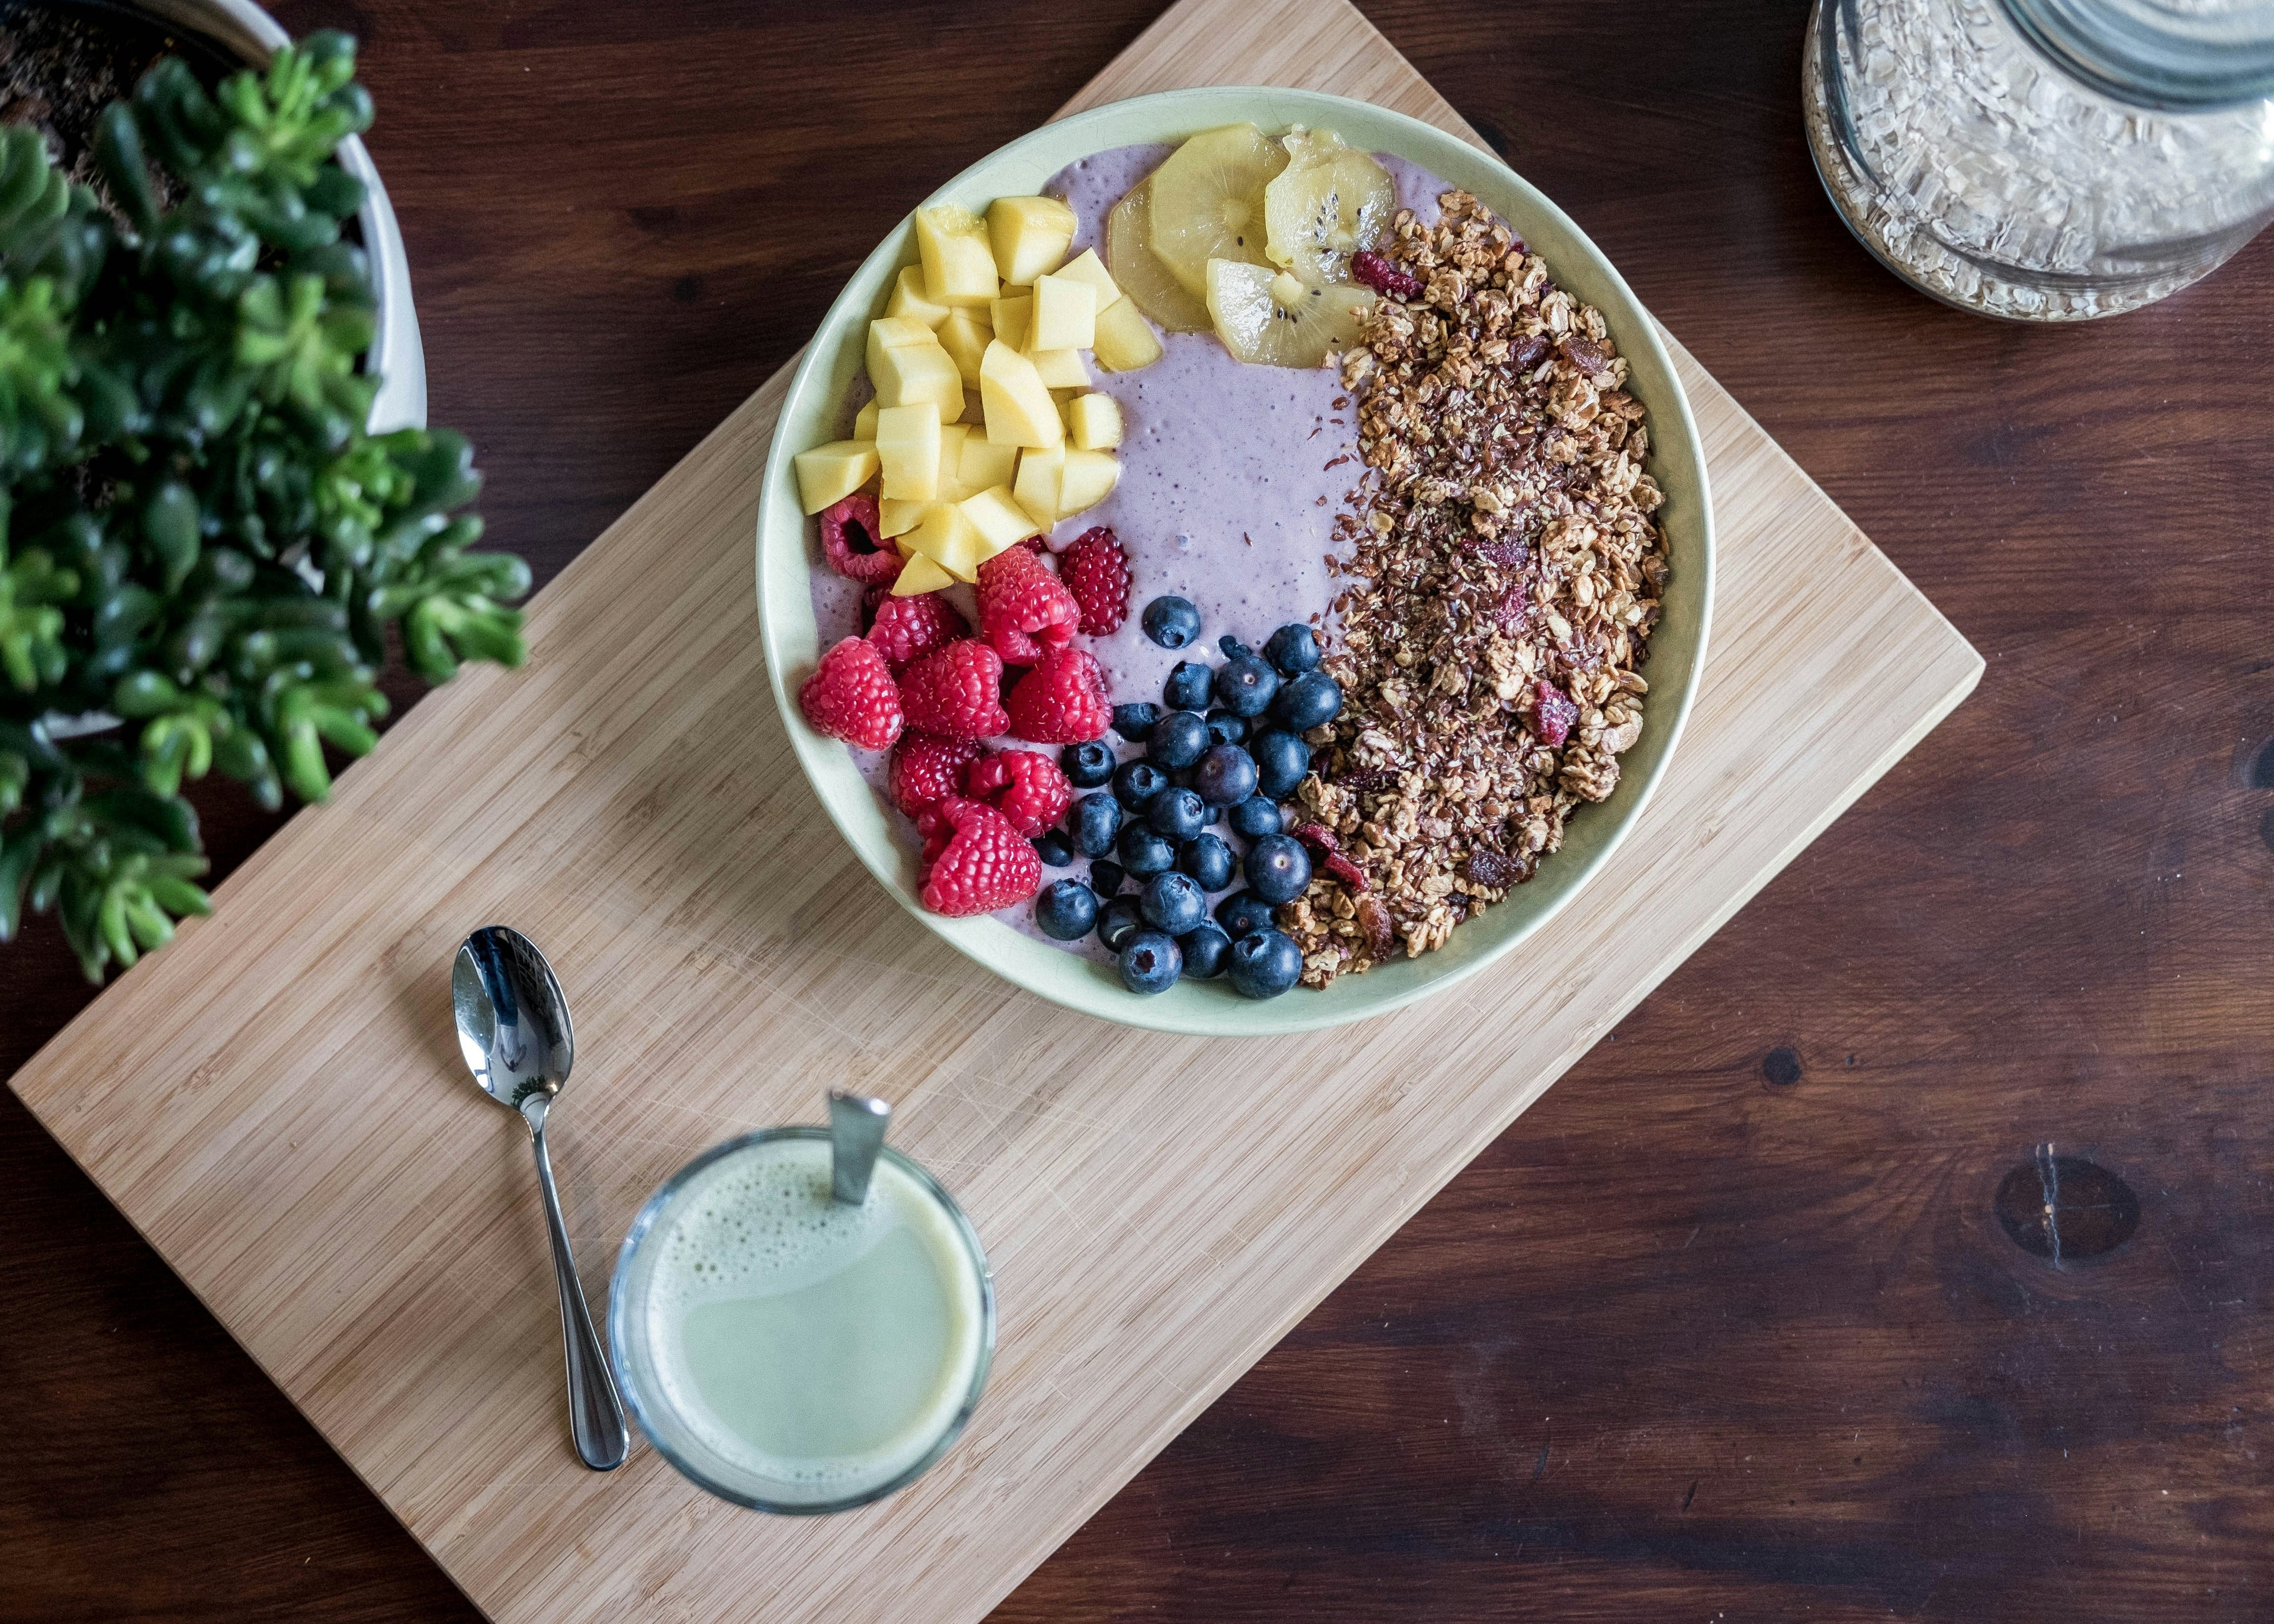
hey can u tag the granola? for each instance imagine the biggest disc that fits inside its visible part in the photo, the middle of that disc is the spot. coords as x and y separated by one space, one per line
1505 577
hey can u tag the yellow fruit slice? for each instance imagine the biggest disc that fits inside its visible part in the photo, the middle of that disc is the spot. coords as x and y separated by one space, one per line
1129 255
1125 340
1208 201
1269 317
1330 201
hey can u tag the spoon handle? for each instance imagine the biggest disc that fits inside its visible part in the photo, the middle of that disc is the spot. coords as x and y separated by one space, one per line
596 1416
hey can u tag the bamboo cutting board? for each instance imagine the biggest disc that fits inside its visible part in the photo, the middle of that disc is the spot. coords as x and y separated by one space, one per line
277 1104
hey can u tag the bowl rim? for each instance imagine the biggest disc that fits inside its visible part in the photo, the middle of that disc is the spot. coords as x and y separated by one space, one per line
1673 424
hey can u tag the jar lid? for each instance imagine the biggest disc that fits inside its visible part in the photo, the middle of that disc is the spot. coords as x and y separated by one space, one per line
2181 55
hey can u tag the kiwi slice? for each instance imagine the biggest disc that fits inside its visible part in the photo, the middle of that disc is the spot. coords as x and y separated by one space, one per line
1331 201
1129 255
1272 317
1208 201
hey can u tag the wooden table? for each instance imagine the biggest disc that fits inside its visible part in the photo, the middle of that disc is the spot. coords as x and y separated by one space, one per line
1773 1344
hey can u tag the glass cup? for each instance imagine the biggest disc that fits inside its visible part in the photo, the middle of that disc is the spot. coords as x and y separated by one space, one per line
792 1353
2044 159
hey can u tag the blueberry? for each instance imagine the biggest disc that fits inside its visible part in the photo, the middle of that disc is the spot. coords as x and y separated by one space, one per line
1265 964
1179 740
1151 962
1310 699
1096 820
1135 784
1105 878
1179 814
1118 921
1086 765
1278 868
1207 859
1051 847
1244 913
1245 685
1205 948
1172 902
1135 723
1173 622
1226 728
1232 647
1293 649
1144 852
1258 814
1067 910
1188 687
1281 761
1225 776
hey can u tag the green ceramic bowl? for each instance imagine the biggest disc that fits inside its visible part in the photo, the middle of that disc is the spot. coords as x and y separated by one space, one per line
789 551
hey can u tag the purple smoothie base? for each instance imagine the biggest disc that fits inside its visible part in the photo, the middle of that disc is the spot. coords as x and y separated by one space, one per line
1232 477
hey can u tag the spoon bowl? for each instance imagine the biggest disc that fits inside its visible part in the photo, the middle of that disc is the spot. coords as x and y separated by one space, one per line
512 1019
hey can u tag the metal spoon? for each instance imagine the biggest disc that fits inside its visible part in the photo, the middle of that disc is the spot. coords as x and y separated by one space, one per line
513 1029
856 1133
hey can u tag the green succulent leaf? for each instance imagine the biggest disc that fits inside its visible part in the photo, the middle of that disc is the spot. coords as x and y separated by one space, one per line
197 536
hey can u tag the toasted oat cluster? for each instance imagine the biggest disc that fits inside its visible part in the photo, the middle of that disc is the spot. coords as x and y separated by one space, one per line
1506 576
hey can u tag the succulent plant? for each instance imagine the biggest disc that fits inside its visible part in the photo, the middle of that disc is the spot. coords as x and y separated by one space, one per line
197 536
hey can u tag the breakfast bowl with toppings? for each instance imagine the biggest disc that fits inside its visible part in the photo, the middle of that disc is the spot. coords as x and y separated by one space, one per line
1236 561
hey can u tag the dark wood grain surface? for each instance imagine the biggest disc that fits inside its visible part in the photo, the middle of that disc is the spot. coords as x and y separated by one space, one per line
1729 1326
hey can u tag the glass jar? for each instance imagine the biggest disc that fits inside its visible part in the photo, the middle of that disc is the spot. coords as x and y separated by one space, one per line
2044 159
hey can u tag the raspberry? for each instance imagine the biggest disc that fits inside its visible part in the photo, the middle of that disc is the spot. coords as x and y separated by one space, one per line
850 542
1096 572
926 770
952 691
1557 712
1061 700
908 626
850 696
1027 788
1380 275
985 864
1022 604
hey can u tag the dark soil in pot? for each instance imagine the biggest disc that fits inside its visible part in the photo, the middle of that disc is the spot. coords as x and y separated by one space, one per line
62 64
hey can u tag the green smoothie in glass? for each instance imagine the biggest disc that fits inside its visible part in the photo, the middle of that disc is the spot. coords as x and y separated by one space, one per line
790 1351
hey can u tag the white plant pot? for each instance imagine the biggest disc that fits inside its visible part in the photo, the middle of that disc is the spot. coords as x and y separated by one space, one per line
243 30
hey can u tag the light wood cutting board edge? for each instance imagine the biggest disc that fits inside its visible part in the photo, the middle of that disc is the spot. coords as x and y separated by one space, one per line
962 1559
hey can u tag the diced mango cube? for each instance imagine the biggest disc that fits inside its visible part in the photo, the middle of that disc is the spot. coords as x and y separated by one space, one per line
908 443
995 513
1030 236
1014 314
964 335
985 464
897 516
898 333
947 538
1125 340
1040 475
917 374
959 260
864 422
1094 422
909 299
1060 369
1065 315
1086 266
833 472
920 574
1088 479
952 437
1019 410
